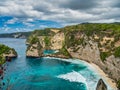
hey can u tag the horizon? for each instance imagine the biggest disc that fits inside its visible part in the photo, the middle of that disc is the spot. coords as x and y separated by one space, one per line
27 15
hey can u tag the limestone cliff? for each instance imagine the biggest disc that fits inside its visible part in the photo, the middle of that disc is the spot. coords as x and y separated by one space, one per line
95 43
57 41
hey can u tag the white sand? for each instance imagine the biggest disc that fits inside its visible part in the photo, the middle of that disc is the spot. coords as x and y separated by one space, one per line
105 76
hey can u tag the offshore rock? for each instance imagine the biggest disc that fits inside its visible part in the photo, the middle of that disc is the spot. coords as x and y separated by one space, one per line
101 85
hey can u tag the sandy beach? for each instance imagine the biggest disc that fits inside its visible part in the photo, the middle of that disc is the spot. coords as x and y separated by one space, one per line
108 80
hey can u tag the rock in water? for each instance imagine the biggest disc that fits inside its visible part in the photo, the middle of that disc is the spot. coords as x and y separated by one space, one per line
101 85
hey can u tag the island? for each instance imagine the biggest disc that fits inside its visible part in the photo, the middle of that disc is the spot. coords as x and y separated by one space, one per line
97 43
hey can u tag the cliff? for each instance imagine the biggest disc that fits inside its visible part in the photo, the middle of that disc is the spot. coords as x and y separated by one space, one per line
6 51
95 43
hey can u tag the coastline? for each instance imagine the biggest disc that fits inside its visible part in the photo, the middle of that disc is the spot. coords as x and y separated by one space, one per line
110 82
104 76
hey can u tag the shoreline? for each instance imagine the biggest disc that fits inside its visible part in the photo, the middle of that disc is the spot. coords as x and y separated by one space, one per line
104 76
109 82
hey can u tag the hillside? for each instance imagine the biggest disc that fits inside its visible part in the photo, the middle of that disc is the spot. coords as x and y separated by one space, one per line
94 43
15 35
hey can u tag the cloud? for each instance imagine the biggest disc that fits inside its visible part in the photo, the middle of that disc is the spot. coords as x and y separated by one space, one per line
12 21
63 11
79 4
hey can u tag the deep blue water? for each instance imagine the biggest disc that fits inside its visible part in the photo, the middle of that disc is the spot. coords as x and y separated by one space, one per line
46 73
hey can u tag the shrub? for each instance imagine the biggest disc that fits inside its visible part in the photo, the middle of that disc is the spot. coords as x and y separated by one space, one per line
64 51
118 83
47 41
117 52
34 40
103 55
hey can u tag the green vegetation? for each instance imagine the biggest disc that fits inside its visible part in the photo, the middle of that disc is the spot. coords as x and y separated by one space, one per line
64 52
117 52
11 35
45 32
2 60
118 83
80 34
103 55
5 50
47 41
34 40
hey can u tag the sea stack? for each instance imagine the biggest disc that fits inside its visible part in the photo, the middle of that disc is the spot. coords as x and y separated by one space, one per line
101 85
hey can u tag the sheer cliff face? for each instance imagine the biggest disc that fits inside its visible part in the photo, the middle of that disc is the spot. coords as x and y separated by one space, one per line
91 53
91 49
57 41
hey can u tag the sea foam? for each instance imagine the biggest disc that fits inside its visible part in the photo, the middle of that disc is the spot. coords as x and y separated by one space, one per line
73 77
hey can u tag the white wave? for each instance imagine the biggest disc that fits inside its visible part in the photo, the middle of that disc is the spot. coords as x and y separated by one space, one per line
73 77
74 61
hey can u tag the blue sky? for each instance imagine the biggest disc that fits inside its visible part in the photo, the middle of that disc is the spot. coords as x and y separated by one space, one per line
9 24
27 15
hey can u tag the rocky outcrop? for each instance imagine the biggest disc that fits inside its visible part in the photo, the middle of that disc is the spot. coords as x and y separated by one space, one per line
34 50
6 51
101 85
46 43
12 54
6 54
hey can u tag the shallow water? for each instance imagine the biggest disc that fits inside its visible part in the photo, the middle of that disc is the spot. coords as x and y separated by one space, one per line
46 73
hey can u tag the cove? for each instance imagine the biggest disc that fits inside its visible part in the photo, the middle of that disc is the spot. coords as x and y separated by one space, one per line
46 73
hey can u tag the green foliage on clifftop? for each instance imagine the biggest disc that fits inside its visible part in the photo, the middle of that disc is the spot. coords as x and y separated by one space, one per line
5 50
80 34
34 40
45 32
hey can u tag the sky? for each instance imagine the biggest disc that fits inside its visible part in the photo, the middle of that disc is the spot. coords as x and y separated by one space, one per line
27 15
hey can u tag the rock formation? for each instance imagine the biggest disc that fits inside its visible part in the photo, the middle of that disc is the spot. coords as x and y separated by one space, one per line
101 85
6 53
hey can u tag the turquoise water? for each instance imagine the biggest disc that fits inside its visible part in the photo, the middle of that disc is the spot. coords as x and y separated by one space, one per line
46 52
46 73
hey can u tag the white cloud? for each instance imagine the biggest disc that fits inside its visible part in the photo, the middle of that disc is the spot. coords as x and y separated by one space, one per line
28 24
12 21
66 11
